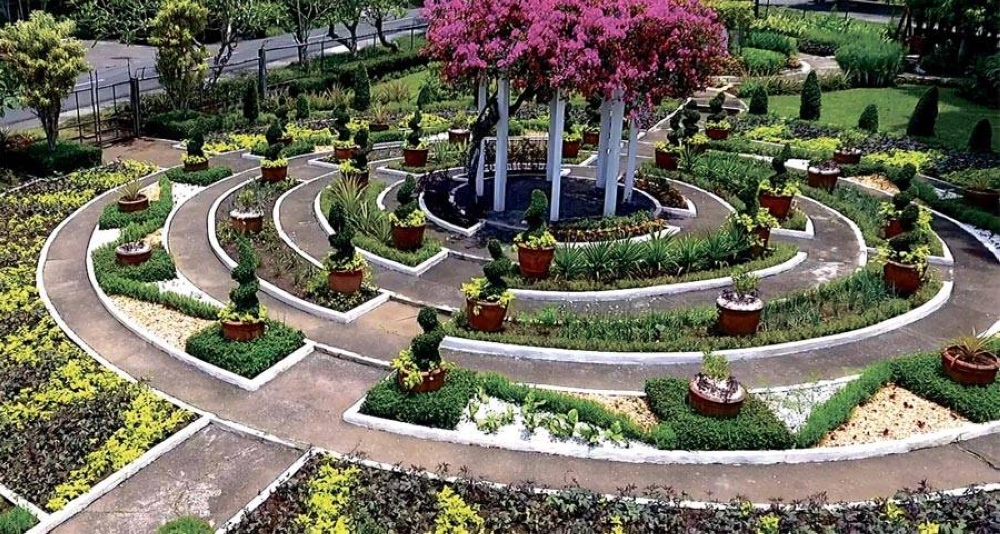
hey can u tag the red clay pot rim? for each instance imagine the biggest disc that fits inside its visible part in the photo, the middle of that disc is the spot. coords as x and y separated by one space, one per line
736 398
947 353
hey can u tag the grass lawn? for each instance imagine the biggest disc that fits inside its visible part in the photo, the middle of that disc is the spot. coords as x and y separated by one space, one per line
956 115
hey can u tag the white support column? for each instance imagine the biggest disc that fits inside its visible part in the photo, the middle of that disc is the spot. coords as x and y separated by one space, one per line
633 148
602 145
481 164
550 144
555 170
614 155
503 129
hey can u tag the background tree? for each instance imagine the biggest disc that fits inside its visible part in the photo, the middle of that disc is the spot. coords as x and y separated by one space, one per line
348 13
234 20
758 101
362 99
180 58
126 20
44 61
9 88
380 11
302 17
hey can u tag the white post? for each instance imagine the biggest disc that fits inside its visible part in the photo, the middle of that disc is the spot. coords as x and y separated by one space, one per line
633 148
614 155
602 145
503 128
555 170
481 164
550 144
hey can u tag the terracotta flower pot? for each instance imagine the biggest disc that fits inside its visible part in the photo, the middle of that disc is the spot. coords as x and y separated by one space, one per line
247 224
717 134
345 281
377 127
847 157
571 149
343 153
904 279
195 167
968 373
708 406
892 228
778 206
273 174
665 160
485 316
429 380
984 199
133 257
415 157
408 237
129 206
457 137
764 234
240 331
591 138
286 140
534 262
737 322
822 178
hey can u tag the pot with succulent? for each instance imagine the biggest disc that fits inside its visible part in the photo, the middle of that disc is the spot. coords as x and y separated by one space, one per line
379 118
776 193
458 133
823 174
195 159
247 215
419 368
487 299
408 220
415 152
666 156
343 147
346 268
757 227
848 151
274 166
970 362
244 318
132 199
714 392
905 257
901 214
740 306
536 246
983 191
133 252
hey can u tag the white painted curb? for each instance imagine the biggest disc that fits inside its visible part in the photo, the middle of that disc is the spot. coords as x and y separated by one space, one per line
808 233
266 493
15 499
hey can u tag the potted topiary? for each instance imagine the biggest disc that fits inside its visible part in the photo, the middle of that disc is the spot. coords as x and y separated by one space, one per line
346 268
281 113
969 361
487 299
900 214
131 199
458 133
849 150
536 246
243 319
592 132
247 215
133 252
739 307
419 368
195 159
408 220
356 167
775 194
275 134
415 152
983 190
343 147
380 117
714 392
274 167
823 174
905 257
757 227
666 156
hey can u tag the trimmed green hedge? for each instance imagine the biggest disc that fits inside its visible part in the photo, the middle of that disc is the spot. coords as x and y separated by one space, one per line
37 160
829 415
117 285
186 525
922 374
245 358
203 178
439 409
157 212
159 267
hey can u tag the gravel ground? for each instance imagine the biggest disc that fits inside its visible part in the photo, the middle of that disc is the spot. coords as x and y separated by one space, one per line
793 406
173 327
182 192
892 413
876 181
635 407
183 287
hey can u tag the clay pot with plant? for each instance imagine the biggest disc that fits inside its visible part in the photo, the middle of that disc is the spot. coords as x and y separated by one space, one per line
343 147
905 257
247 215
740 306
970 362
379 119
420 368
536 246
714 392
274 166
195 159
408 221
666 156
458 132
244 318
487 299
133 252
757 229
716 126
983 191
571 138
823 174
776 193
344 264
132 199
899 214
848 151
415 152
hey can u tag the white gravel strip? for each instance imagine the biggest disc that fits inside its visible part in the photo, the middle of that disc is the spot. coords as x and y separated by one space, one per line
103 237
183 286
182 192
793 406
173 327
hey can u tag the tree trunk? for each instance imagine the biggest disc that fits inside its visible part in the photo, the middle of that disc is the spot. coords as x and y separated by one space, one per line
379 23
49 117
485 122
351 41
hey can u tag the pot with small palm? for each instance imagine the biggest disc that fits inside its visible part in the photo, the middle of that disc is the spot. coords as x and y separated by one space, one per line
848 151
714 392
740 306
132 199
343 147
415 152
459 133
133 252
345 266
195 159
274 166
823 174
666 156
419 368
900 214
757 229
905 257
487 299
983 191
970 362
408 220
247 215
536 246
244 318
379 121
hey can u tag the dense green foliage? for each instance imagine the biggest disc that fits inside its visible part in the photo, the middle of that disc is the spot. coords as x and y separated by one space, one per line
981 138
871 62
868 121
759 62
186 525
202 178
37 159
811 100
16 521
112 217
245 358
438 409
924 117
775 42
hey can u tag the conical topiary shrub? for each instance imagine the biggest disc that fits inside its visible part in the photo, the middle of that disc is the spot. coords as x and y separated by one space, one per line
924 114
251 103
362 99
812 98
981 139
868 121
758 101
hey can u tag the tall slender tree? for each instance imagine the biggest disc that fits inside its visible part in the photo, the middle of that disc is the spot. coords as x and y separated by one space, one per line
303 16
180 57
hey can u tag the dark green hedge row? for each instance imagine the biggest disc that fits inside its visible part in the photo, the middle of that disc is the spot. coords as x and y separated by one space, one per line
203 178
245 358
342 74
37 160
439 409
159 267
157 212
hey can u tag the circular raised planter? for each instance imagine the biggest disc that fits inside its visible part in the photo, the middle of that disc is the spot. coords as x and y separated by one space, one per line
345 281
534 262
343 153
717 134
130 206
241 331
571 149
429 380
485 316
246 222
273 174
823 178
847 157
415 157
458 137
777 205
764 234
712 406
408 237
904 279
195 167
892 228
133 253
377 127
985 199
665 159
969 373
738 319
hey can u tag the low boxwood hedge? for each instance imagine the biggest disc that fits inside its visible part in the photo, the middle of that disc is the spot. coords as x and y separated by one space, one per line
829 415
439 409
203 178
245 358
37 160
158 210
160 266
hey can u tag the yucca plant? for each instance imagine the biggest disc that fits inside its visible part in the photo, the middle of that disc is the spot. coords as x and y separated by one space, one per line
130 191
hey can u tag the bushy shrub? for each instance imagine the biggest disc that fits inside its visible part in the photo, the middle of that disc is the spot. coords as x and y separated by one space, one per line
302 110
16 521
186 525
251 103
203 178
868 121
981 138
438 409
758 101
362 99
812 99
245 358
759 62
925 113
159 266
985 84
775 42
37 160
176 124
871 62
